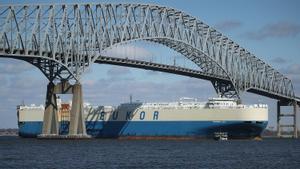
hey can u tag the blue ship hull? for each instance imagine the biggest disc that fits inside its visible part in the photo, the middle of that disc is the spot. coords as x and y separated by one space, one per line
193 129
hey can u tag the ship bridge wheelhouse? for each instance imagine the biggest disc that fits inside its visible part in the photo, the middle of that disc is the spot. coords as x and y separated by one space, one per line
221 102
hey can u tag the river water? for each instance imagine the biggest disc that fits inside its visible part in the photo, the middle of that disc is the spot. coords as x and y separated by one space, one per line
21 153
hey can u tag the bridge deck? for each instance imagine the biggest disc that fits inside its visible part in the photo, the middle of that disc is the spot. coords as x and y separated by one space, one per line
159 67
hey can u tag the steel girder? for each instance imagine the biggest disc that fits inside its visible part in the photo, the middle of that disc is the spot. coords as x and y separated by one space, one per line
74 35
160 67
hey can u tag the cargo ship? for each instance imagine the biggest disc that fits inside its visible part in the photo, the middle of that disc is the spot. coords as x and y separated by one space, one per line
186 118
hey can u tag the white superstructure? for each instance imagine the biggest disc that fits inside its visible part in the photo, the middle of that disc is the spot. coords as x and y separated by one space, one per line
186 109
213 103
30 113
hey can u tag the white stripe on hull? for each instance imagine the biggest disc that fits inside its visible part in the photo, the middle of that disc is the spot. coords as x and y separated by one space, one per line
205 114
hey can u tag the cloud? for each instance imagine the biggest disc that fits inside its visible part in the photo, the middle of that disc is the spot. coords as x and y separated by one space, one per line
19 81
128 51
275 30
228 25
152 72
12 66
296 83
279 60
15 89
108 91
293 69
88 82
118 71
27 86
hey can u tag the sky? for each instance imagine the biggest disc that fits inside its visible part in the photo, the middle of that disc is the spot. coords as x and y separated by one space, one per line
270 29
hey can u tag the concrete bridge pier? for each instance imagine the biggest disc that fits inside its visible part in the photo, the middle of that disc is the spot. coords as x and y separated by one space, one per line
77 121
287 121
77 129
50 122
295 119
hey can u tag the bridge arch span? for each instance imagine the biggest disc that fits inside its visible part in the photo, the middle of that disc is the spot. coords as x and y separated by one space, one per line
205 63
74 35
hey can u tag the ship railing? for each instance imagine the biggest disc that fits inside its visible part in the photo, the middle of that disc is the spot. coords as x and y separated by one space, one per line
238 106
174 107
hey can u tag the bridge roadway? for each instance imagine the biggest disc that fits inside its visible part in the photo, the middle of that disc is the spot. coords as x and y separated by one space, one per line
160 67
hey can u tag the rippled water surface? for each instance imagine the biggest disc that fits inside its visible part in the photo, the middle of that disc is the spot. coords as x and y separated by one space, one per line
105 153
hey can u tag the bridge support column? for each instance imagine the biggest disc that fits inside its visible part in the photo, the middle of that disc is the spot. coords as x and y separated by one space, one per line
50 123
77 129
284 120
278 119
77 122
295 119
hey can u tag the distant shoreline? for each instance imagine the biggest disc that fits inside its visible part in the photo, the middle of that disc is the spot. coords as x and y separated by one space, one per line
14 132
9 132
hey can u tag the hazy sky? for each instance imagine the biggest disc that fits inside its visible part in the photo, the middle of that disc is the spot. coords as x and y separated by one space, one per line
268 28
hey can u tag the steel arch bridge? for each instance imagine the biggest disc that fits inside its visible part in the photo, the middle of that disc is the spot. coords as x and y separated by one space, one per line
63 40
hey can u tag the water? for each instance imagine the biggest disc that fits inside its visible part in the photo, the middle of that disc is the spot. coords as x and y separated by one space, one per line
21 153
